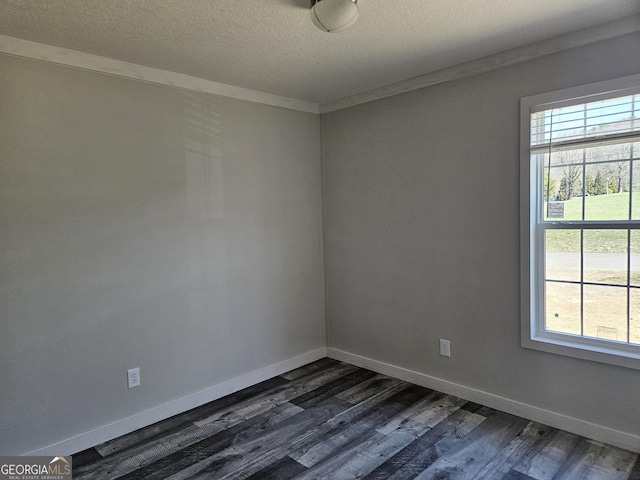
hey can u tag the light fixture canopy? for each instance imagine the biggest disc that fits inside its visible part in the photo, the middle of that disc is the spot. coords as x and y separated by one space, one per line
334 15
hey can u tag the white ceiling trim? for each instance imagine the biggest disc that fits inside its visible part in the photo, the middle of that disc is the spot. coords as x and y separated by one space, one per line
607 31
85 61
47 53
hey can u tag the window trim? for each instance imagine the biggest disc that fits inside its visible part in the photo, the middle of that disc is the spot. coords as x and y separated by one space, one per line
532 259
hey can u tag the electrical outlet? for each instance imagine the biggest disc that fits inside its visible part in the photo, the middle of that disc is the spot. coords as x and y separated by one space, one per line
133 377
445 348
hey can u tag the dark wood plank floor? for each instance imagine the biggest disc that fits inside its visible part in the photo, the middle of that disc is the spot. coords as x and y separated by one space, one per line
330 420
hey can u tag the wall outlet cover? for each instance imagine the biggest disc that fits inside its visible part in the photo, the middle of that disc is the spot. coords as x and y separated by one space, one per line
133 377
445 348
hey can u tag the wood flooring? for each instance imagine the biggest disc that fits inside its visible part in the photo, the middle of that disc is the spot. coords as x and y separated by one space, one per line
331 420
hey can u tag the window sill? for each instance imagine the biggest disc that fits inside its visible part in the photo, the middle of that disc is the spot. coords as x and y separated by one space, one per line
622 355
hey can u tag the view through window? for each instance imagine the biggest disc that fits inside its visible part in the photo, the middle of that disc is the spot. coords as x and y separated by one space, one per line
585 195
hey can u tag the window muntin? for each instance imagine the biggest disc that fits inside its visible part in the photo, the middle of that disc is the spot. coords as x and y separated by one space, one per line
583 247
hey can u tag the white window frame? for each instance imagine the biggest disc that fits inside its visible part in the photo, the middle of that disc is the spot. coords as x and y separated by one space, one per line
533 334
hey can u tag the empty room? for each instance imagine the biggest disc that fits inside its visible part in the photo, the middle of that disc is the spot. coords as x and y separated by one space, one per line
320 239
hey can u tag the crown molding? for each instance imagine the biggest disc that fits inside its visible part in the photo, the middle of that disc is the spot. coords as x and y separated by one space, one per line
85 61
606 31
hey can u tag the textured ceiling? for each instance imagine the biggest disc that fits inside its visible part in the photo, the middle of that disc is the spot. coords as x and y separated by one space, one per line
272 46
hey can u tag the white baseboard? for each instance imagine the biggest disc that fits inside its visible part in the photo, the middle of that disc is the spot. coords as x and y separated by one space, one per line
126 425
161 412
600 433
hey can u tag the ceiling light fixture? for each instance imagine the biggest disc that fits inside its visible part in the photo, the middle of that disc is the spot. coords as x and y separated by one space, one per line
334 15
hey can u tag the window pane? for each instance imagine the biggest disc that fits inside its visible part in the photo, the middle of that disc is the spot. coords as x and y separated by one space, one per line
567 168
605 201
550 188
605 153
635 257
563 186
635 189
605 256
572 209
605 312
553 208
563 255
562 307
567 158
634 312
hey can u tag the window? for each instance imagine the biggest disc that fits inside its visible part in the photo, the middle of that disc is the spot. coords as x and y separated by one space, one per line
580 211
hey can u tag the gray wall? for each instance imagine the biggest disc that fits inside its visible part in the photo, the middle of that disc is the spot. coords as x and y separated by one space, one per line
422 236
178 232
144 226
